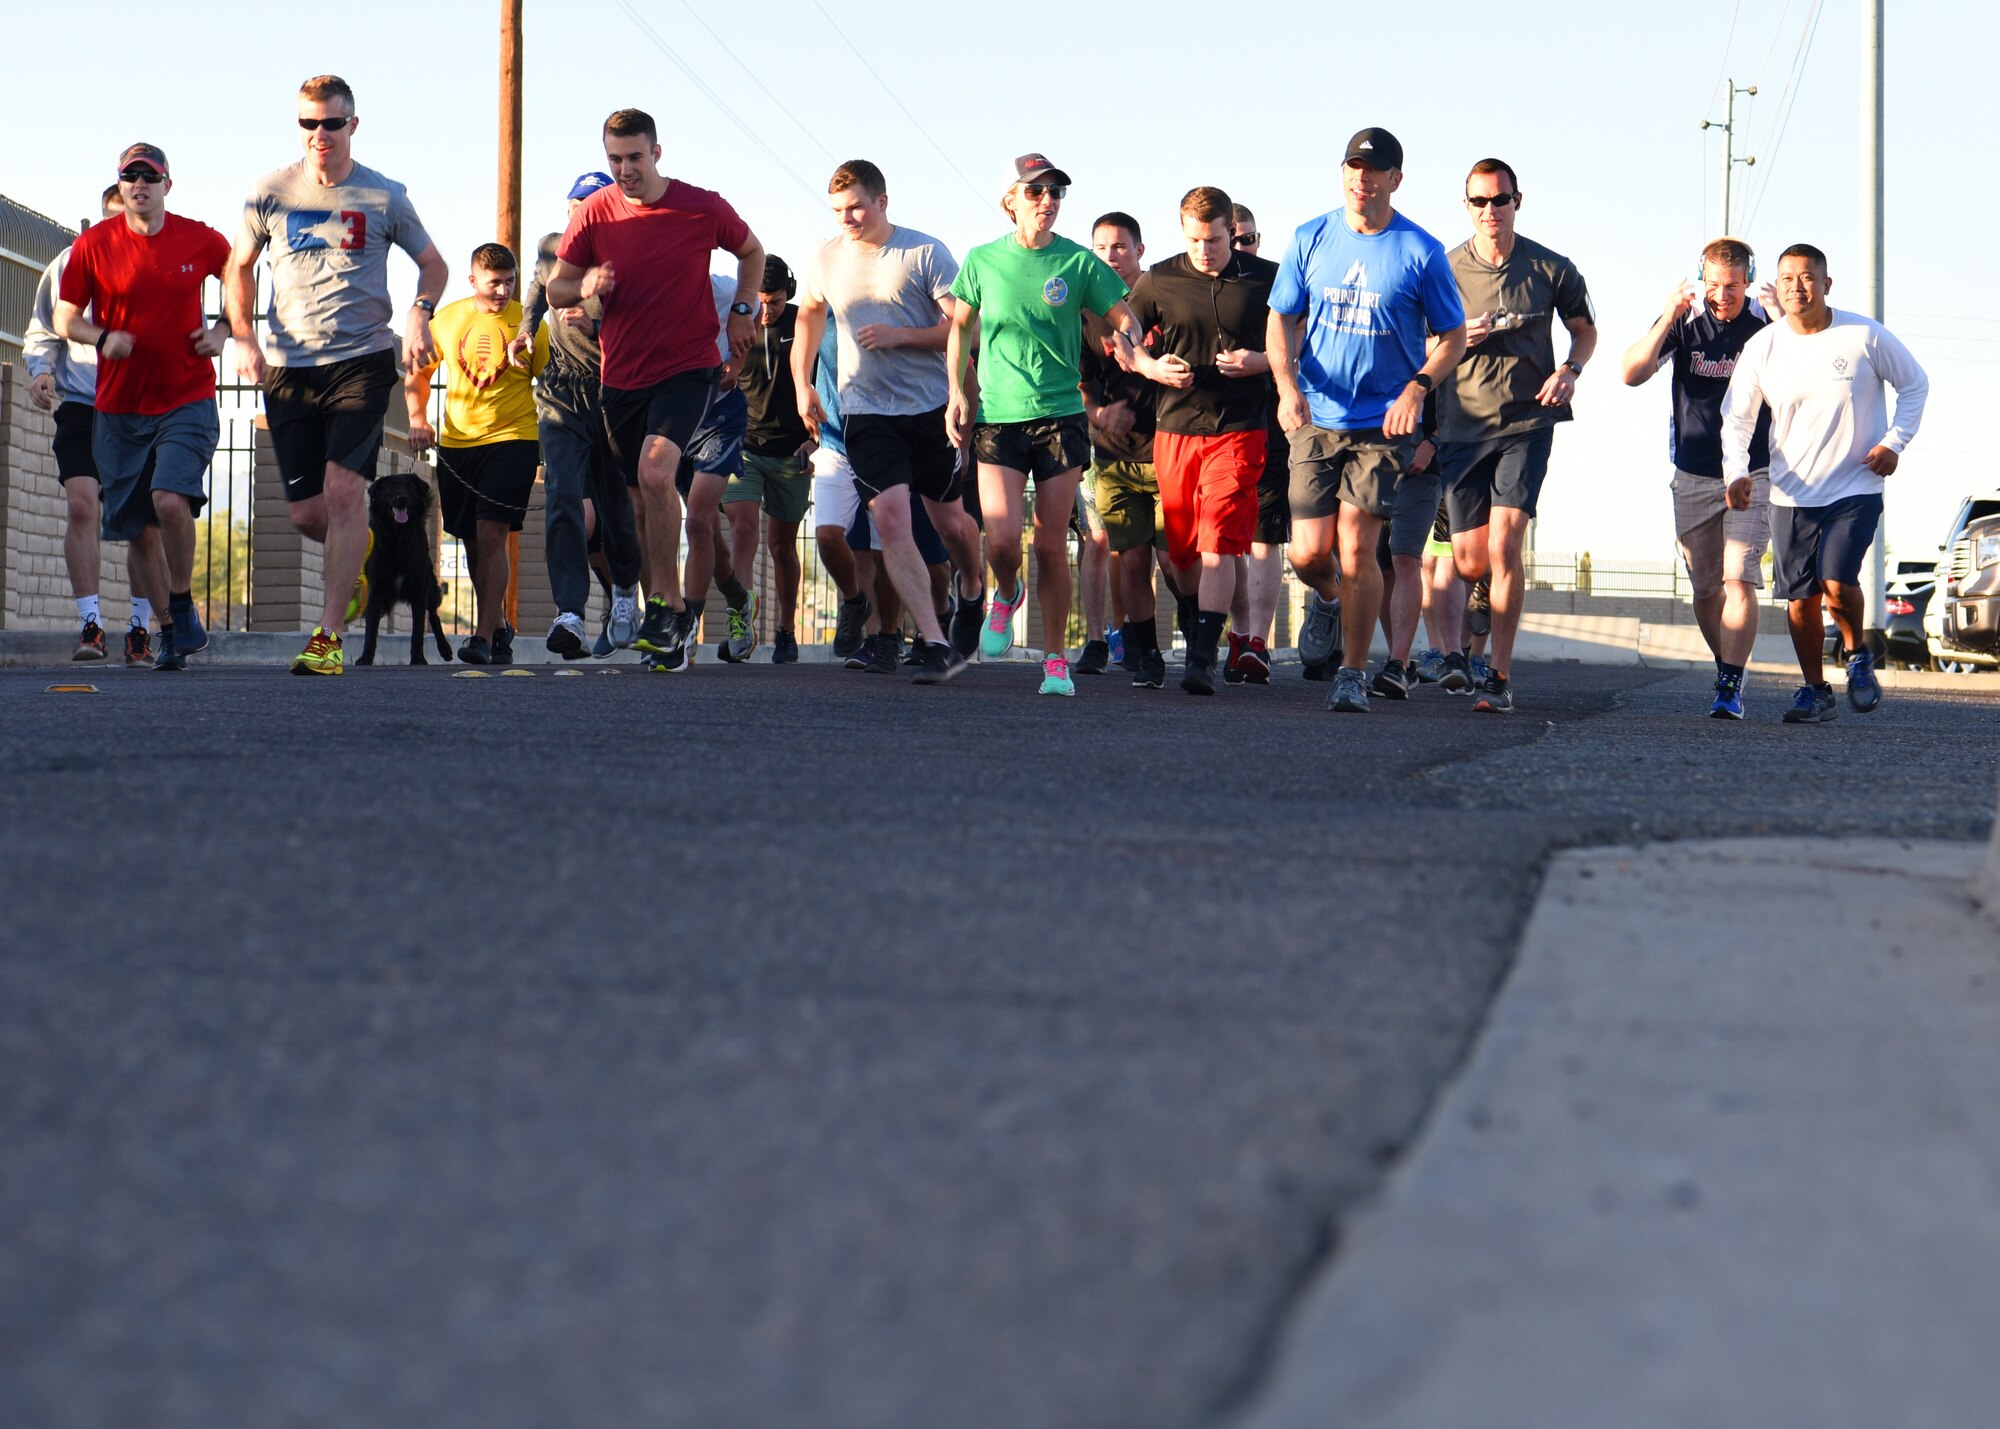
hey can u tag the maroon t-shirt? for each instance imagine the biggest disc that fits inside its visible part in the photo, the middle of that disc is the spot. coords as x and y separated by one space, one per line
149 286
659 318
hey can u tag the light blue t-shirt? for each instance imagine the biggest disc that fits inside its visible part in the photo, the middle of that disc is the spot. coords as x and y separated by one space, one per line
1368 300
826 382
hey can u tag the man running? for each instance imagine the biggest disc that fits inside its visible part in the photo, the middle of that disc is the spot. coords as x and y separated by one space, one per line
888 289
328 360
1498 411
489 448
63 379
1820 373
773 481
1721 534
1028 292
1365 284
1207 312
642 247
156 425
584 500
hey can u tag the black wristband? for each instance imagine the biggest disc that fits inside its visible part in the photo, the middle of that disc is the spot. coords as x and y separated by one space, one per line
102 333
1422 379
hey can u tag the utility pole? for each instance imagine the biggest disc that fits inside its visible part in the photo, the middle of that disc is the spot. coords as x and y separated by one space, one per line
1729 159
1871 263
508 227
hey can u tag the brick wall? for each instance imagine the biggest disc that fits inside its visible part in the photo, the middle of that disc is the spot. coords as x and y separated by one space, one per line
35 591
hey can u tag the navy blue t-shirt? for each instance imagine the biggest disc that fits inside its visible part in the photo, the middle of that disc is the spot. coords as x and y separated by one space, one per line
1704 352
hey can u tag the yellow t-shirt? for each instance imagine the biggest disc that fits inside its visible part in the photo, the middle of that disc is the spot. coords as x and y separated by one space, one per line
485 400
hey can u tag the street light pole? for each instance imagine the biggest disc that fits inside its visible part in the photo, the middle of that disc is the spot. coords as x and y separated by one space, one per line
508 226
1729 159
1872 298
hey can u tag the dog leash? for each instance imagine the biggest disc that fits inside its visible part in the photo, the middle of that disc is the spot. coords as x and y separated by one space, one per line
445 467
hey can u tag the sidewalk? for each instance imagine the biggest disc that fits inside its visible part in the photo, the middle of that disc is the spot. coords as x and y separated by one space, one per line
1727 1154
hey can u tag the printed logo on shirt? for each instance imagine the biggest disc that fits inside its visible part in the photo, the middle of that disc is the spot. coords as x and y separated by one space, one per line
1357 276
1055 292
310 229
1839 367
1702 365
1351 307
482 358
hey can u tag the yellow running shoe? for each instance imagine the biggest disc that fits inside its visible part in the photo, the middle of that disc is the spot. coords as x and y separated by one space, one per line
358 601
322 655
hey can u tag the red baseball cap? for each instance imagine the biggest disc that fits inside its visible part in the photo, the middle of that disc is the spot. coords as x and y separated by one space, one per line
151 154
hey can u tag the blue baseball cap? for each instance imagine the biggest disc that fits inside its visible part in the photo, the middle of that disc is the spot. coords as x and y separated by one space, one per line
588 184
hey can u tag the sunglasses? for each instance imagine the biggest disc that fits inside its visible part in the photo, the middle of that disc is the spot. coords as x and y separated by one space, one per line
1246 240
140 174
332 126
1498 200
1054 191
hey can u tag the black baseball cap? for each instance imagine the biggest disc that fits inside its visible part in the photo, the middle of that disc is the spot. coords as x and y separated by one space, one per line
151 154
1377 148
1036 169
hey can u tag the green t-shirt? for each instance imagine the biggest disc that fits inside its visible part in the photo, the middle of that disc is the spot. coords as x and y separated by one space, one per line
1031 304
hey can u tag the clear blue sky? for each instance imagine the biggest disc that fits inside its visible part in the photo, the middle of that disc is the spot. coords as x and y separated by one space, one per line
1596 106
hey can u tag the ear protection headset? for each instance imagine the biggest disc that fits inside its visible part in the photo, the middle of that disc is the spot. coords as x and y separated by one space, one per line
1749 277
791 278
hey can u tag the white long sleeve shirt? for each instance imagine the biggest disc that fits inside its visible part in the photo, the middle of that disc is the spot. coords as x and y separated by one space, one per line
1828 411
72 364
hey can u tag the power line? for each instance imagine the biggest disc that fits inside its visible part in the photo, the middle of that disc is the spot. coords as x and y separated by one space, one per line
717 100
1724 69
803 128
1784 118
917 123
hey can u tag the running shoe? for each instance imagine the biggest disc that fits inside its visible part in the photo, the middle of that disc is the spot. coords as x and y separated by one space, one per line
189 637
503 645
1198 678
90 643
1255 661
1392 681
167 659
602 649
566 637
622 625
848 636
1095 659
967 616
1813 704
1864 690
322 655
357 600
1114 645
914 654
742 641
1495 695
940 663
785 648
885 654
1055 677
1350 691
475 651
998 636
1429 668
1457 676
1319 636
1152 671
1232 665
656 634
138 647
1728 698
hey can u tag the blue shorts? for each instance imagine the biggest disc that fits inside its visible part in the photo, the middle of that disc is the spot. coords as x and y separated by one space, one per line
1812 544
861 532
179 445
717 444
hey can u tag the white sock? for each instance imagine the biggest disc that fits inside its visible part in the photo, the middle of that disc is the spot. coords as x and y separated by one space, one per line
142 612
86 607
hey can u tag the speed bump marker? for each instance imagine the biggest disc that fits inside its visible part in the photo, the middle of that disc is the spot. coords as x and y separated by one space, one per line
468 674
560 673
610 672
70 690
519 674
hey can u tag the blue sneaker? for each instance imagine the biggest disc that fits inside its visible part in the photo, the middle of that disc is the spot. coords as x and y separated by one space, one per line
1115 638
1728 698
1813 704
1864 691
191 639
1477 669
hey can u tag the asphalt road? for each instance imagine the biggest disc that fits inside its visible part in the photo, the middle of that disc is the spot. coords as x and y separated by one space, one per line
772 1046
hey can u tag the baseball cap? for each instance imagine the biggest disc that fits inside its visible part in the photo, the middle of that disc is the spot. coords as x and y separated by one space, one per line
1036 169
1377 148
588 184
144 153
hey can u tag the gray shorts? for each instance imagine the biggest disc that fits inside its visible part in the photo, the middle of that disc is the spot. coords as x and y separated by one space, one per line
1359 469
1718 544
180 443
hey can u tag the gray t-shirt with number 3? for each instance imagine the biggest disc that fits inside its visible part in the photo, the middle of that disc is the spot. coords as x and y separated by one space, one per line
328 251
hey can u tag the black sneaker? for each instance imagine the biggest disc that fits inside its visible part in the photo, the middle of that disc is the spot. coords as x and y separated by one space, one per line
967 616
1317 673
1199 677
656 632
1496 696
1392 682
1457 676
913 656
1095 659
785 649
475 651
885 654
503 645
167 659
848 637
1152 671
1128 650
940 663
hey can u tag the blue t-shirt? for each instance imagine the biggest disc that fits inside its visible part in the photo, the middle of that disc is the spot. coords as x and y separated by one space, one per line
826 382
1369 300
1703 352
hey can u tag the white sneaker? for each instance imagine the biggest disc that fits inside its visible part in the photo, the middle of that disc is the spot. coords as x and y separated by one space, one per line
566 637
624 616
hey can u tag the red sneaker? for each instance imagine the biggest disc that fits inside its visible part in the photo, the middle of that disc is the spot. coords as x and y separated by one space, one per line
1232 668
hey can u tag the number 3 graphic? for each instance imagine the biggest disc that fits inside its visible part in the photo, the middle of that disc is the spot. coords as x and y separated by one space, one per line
356 224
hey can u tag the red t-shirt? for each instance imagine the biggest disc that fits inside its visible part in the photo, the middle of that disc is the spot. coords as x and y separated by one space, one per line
151 288
659 318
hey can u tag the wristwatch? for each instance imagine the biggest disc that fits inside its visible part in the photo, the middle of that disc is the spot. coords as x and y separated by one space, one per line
430 308
1574 370
1422 379
741 309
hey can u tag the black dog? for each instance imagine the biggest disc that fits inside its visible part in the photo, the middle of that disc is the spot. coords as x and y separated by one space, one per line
400 568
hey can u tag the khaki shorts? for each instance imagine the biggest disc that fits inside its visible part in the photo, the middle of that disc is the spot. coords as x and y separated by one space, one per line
781 485
1718 544
1128 504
